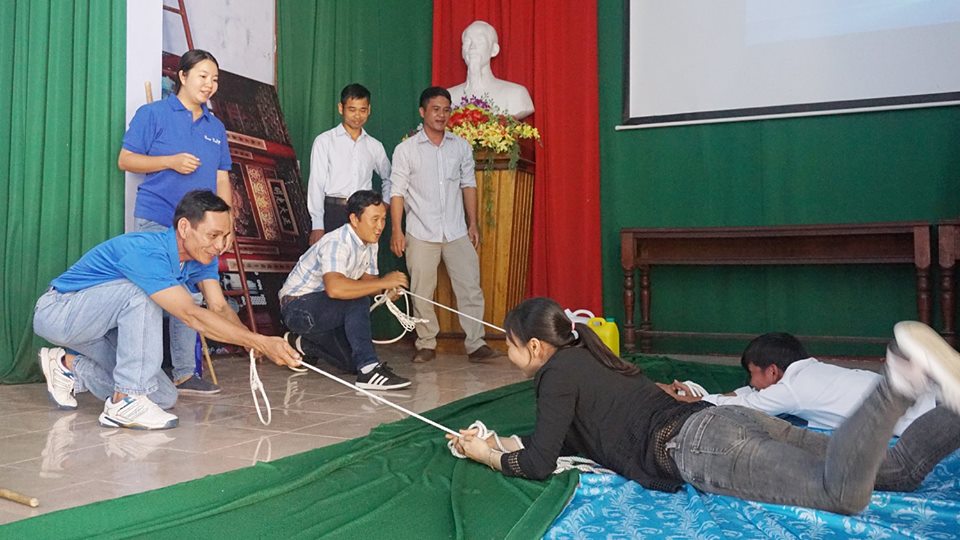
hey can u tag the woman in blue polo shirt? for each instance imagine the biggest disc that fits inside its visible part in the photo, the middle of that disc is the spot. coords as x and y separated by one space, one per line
180 146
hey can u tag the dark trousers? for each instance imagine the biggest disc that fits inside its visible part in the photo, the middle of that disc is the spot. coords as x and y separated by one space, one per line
335 330
334 215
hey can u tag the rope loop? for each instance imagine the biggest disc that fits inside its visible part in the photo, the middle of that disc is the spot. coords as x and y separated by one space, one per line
257 385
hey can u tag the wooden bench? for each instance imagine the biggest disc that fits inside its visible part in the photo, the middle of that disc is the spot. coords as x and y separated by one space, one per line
869 243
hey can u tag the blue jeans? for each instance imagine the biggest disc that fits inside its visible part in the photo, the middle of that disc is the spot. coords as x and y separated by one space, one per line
317 318
732 450
115 329
183 339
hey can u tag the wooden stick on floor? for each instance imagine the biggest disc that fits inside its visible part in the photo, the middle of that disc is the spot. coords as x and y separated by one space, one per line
32 502
206 354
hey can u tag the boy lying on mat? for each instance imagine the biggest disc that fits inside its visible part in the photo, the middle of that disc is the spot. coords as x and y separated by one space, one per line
592 403
784 380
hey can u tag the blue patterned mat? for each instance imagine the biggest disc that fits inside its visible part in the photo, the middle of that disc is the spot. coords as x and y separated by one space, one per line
610 506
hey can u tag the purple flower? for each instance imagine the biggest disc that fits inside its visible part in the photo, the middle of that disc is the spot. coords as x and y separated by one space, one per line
476 101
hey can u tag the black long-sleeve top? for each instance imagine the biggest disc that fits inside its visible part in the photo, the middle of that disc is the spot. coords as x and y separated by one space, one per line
586 408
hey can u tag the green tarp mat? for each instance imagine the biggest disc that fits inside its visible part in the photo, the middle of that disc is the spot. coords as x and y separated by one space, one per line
400 481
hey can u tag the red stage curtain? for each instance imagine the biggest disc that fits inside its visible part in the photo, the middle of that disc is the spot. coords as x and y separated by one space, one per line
551 48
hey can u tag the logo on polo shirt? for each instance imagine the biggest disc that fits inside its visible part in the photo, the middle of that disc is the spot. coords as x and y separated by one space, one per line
212 139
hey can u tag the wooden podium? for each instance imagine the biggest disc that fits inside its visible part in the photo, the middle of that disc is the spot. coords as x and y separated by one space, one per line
504 215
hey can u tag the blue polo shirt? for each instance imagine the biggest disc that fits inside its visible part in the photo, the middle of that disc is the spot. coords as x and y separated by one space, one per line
147 259
165 128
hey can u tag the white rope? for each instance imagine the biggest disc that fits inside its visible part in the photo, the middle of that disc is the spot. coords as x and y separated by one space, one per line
409 324
404 291
564 463
695 389
255 385
407 321
382 400
484 433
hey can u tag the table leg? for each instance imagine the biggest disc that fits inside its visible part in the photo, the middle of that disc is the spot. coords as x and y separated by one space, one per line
924 304
629 331
645 324
948 304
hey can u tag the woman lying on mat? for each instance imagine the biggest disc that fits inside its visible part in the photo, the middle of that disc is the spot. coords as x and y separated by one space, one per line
592 403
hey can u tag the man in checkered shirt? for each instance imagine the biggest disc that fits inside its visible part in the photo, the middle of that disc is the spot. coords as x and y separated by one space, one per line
325 301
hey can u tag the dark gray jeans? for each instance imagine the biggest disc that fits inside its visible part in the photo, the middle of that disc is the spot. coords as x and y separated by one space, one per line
732 450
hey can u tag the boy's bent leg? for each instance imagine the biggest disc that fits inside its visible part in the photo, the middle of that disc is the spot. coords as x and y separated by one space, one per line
728 450
737 451
931 437
859 445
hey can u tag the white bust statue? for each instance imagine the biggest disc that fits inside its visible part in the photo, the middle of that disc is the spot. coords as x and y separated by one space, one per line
479 46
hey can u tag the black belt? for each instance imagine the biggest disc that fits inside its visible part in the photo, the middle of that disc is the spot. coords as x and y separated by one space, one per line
286 300
339 201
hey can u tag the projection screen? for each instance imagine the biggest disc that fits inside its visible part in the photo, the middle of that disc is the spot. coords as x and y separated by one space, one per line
698 61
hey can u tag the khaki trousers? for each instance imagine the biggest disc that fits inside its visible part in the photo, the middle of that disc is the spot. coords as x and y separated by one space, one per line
463 266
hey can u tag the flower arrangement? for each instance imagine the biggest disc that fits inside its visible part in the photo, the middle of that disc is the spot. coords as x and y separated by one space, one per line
486 127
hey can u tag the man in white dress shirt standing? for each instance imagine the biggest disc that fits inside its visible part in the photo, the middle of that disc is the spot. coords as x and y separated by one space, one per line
433 180
342 162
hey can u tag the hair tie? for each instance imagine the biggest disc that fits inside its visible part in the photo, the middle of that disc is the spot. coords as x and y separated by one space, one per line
573 330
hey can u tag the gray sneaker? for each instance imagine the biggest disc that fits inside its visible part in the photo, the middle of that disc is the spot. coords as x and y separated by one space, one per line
928 354
197 387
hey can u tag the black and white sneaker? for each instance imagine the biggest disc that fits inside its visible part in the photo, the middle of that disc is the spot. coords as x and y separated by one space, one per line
381 378
294 341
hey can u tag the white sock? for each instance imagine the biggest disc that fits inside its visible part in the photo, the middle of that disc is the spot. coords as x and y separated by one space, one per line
368 368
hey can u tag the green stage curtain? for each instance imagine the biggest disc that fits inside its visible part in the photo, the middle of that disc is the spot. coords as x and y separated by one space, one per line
323 46
61 122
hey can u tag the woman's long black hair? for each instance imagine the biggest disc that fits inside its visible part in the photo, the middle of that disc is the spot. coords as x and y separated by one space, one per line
544 319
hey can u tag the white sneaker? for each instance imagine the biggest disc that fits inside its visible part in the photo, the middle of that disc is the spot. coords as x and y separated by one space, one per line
136 412
60 380
132 446
932 356
59 440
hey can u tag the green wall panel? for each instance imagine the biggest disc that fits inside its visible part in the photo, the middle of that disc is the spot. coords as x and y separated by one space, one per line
880 166
323 46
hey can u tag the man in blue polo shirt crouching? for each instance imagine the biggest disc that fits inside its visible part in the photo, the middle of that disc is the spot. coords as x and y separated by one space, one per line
107 310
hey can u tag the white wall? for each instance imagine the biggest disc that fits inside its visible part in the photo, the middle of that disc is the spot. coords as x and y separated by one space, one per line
239 33
144 38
